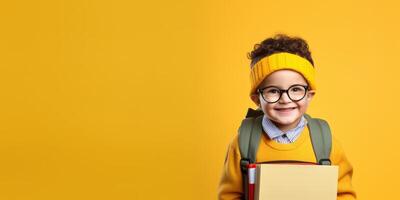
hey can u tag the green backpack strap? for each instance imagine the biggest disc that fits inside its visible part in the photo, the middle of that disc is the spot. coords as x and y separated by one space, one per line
321 139
249 138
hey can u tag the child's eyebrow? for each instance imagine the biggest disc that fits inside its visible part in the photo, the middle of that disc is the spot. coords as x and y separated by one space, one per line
271 86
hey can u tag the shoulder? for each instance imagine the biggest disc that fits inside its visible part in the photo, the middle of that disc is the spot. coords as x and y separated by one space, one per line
337 151
233 148
234 144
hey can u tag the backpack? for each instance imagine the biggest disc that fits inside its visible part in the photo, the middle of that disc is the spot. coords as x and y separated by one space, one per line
250 132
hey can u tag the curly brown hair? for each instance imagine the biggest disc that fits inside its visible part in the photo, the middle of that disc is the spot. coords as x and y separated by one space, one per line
280 43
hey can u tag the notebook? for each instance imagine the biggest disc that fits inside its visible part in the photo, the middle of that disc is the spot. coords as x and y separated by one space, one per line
295 181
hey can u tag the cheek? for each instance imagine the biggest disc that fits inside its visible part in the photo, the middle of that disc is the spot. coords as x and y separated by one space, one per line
302 105
266 107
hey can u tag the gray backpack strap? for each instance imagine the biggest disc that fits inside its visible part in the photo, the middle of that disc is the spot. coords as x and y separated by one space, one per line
321 139
245 130
249 138
255 139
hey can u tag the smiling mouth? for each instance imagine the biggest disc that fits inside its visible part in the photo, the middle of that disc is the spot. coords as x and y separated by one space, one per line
285 109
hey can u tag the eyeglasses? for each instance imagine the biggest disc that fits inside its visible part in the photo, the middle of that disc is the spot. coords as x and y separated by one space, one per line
272 94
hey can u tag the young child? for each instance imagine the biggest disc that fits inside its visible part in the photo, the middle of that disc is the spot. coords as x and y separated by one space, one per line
282 86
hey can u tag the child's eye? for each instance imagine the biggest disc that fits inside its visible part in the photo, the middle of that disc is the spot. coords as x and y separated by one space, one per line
297 89
273 91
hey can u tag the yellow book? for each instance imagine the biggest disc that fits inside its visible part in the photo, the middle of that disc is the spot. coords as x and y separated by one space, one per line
296 181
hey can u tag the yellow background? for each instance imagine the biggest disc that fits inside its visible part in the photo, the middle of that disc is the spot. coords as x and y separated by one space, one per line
139 99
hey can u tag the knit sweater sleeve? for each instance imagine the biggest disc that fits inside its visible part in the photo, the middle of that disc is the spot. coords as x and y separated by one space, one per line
345 187
231 185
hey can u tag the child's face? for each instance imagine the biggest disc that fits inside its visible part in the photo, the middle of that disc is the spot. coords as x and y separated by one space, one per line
284 119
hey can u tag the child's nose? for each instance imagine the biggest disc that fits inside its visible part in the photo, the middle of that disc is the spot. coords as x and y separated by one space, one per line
284 98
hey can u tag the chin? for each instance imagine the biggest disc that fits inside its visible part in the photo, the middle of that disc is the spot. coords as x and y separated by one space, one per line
285 122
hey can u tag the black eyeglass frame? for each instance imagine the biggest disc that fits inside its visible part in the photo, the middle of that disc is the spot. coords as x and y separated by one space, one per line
261 90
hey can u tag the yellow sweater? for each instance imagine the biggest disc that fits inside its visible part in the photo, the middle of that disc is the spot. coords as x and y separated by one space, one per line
231 185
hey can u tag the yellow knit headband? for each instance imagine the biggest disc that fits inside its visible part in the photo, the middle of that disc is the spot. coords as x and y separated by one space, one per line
279 61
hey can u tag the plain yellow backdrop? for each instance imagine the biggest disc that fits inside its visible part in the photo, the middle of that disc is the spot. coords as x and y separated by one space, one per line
139 99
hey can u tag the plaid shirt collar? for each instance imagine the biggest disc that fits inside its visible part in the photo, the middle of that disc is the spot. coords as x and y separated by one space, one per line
274 132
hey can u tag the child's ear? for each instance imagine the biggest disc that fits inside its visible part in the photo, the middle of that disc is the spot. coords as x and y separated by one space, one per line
255 99
310 94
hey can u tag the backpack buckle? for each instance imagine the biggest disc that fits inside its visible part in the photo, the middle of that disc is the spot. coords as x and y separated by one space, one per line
324 161
243 164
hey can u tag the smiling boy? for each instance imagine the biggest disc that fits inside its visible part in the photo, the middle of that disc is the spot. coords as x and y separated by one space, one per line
282 86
